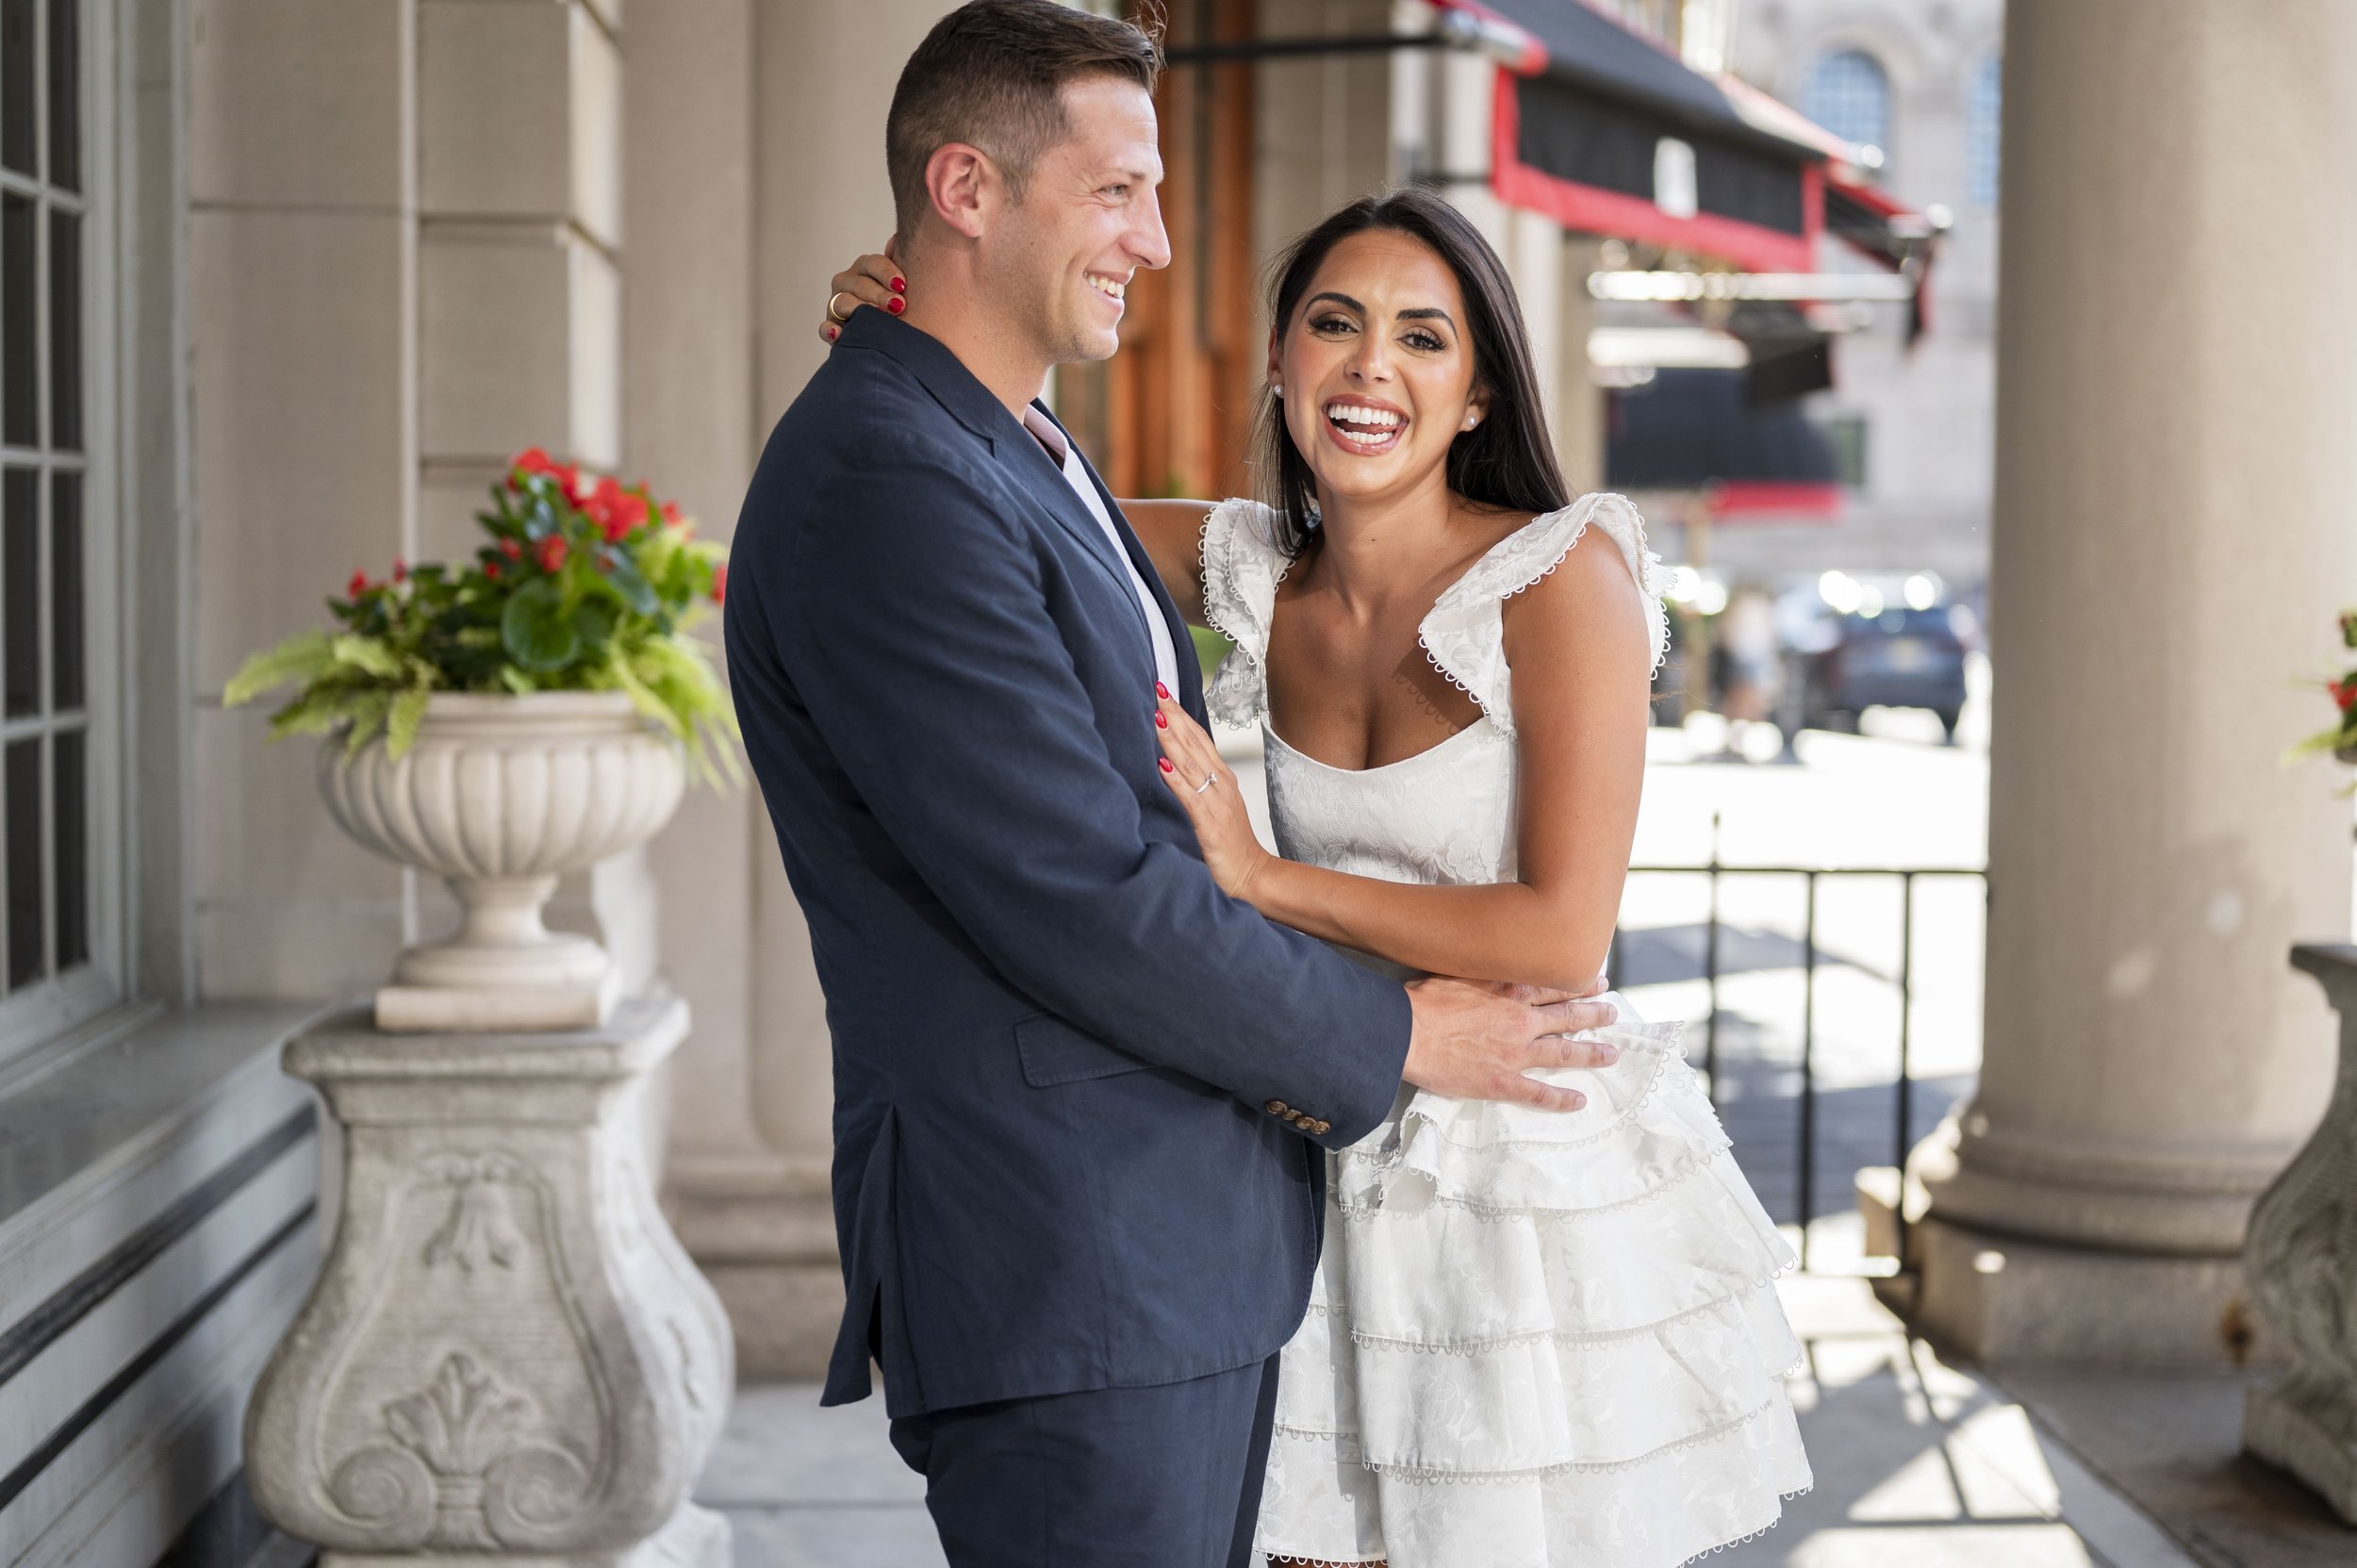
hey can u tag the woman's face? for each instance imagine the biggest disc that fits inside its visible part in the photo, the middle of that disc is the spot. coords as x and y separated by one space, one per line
1376 367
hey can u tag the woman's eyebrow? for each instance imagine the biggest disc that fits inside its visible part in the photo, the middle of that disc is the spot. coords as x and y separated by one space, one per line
1344 300
1429 313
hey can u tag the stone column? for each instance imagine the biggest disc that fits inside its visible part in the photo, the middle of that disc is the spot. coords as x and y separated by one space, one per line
805 88
2171 543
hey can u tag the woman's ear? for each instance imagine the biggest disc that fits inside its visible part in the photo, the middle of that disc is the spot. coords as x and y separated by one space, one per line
1476 410
1276 372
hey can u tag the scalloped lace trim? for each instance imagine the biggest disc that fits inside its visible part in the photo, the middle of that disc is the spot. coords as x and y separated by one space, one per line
1494 1214
1782 1498
1238 694
1418 1477
1569 1339
1508 571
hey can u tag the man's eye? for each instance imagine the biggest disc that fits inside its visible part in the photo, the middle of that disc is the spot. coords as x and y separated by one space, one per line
1115 190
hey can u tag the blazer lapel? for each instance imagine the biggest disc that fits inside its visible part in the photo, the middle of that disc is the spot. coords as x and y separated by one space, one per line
1181 641
1048 485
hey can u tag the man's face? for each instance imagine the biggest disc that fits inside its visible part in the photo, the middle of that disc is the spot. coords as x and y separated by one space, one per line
1058 261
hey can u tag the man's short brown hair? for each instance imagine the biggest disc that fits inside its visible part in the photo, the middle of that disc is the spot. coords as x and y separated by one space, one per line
990 75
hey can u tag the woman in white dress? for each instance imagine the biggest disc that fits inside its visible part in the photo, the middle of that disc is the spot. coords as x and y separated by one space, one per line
1536 1340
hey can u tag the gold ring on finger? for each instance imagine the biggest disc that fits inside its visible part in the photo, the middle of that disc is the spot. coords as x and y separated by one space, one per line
833 314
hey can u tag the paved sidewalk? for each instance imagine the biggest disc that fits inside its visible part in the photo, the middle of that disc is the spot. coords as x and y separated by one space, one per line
1919 1466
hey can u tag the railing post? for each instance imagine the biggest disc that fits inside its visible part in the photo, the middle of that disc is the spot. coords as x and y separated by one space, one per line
1907 1058
1710 972
1809 1066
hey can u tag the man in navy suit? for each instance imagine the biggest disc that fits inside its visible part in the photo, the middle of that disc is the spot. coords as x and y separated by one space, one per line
1082 1096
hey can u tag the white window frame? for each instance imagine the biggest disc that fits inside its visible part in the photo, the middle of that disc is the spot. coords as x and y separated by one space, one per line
56 1008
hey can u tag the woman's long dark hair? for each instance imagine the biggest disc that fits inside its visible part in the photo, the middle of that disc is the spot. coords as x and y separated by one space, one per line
1507 460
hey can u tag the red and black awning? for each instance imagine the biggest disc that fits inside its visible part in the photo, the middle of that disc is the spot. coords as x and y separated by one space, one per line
1606 132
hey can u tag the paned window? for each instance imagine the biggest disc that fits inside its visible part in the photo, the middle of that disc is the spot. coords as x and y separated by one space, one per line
1849 93
1984 106
46 763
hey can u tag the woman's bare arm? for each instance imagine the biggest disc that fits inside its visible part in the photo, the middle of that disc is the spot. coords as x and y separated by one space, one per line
1580 649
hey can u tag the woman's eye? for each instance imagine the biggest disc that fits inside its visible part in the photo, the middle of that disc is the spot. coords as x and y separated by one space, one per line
1330 325
1424 342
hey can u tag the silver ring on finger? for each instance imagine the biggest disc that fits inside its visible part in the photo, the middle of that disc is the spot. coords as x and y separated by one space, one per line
1209 780
835 314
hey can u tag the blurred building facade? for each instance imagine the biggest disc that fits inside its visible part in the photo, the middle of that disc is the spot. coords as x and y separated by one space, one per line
1912 423
282 284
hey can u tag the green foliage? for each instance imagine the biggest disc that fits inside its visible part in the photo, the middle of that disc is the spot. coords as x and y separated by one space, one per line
579 585
2342 738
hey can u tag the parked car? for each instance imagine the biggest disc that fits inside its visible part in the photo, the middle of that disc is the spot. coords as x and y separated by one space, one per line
1902 658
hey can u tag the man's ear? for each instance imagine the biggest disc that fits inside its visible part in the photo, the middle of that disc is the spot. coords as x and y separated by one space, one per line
964 188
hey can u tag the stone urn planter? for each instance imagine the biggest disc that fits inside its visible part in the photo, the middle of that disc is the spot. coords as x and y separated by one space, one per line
2302 1259
500 797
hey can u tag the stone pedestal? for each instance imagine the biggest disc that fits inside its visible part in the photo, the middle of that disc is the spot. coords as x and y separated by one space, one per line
2170 550
508 1358
2302 1264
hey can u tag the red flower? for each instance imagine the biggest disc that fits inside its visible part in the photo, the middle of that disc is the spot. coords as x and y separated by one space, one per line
670 511
2344 693
550 552
570 476
401 569
719 582
615 510
358 585
532 460
510 548
491 571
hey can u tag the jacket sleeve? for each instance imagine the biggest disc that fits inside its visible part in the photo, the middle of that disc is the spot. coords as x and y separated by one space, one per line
918 629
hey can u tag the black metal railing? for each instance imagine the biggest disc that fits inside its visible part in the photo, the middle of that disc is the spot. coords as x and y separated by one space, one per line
1902 1132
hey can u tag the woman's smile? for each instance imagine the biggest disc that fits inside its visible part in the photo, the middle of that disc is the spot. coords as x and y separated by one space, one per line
1364 426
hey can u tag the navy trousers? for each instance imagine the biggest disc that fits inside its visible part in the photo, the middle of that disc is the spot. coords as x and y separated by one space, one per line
1168 1476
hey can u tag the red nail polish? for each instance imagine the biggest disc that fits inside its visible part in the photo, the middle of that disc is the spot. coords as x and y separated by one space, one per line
899 285
832 333
1160 690
896 305
1166 764
1161 722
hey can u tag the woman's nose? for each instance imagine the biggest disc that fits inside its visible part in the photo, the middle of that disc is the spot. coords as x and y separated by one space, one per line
1372 362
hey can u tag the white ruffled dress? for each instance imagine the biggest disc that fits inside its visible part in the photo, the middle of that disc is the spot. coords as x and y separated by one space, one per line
1535 1339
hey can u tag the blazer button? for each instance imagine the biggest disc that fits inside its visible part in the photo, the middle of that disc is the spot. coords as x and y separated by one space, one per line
1297 1118
1323 1128
1275 1108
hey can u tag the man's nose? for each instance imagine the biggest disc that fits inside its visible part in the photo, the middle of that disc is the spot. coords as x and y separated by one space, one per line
1150 242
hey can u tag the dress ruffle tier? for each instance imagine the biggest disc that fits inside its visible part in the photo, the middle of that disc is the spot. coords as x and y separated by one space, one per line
1540 1341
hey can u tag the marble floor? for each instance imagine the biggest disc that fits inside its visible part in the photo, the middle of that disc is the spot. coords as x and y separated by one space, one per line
1919 1466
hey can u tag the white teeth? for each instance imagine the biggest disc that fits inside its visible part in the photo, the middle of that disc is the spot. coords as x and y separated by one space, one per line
1359 414
1107 287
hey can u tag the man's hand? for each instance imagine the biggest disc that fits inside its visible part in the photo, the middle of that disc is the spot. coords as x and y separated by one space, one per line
1474 1041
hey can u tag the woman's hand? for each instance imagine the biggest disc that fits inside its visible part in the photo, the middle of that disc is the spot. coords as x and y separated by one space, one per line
871 280
1206 786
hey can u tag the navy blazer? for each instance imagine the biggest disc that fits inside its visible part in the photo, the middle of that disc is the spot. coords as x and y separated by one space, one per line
1077 1086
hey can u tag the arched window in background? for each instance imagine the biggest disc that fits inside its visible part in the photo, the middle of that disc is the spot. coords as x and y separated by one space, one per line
1984 97
1849 93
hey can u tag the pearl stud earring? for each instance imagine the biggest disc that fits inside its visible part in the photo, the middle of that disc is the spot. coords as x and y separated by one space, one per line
1276 389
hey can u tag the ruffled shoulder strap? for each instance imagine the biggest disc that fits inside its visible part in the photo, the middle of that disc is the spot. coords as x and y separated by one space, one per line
1464 635
1242 566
